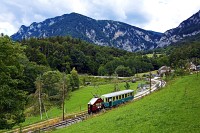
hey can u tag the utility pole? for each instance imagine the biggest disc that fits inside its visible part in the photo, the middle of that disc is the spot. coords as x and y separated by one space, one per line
63 105
196 68
39 96
150 81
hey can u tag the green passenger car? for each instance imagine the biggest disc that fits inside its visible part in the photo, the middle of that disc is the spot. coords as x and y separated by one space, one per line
116 98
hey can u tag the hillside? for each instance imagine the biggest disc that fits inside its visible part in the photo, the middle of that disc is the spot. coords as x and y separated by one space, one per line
187 30
109 32
100 32
172 109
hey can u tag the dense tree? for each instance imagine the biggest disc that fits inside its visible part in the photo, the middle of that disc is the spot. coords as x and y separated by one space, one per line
179 56
127 86
123 71
51 88
112 65
31 72
102 71
64 53
12 98
74 79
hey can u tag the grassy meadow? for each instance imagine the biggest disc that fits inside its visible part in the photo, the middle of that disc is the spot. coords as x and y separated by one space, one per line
151 55
176 108
78 100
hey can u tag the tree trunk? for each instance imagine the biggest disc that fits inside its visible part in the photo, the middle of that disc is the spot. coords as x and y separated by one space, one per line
63 105
63 101
45 111
39 98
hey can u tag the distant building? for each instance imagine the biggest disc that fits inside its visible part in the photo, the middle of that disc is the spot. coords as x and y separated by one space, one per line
198 68
164 70
192 67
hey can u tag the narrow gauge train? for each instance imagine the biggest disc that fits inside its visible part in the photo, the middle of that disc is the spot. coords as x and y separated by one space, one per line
109 100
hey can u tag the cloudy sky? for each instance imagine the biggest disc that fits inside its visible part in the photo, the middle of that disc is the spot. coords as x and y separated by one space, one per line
157 15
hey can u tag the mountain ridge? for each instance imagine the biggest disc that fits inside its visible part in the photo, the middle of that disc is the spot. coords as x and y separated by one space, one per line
108 32
187 28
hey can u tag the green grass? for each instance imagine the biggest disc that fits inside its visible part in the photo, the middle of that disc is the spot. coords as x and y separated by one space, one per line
141 74
175 108
151 55
78 101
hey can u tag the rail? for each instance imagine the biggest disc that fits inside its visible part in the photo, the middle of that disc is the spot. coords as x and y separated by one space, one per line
158 84
48 123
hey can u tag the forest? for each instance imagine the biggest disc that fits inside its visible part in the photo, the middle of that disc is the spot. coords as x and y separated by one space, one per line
47 68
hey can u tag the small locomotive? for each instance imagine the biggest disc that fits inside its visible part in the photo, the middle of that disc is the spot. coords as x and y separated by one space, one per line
109 100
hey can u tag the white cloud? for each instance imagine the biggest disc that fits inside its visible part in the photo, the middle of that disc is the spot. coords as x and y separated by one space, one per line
157 15
167 14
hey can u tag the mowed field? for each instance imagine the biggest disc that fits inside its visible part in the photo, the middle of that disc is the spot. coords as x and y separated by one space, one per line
175 108
78 100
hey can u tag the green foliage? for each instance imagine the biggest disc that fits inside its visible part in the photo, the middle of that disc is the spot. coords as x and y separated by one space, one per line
123 71
127 86
102 71
74 79
12 98
189 52
50 87
172 109
180 72
31 72
64 53
11 106
116 87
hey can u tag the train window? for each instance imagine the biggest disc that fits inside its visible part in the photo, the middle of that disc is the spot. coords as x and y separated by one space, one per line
131 93
109 99
117 97
120 97
125 95
128 94
113 98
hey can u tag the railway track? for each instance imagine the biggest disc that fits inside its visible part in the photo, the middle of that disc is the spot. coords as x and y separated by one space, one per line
53 123
75 118
64 123
157 84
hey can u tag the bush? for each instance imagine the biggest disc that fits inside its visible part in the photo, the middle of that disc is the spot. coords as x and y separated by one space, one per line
123 71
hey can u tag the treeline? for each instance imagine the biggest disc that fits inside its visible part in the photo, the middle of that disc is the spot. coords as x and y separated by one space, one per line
64 53
181 55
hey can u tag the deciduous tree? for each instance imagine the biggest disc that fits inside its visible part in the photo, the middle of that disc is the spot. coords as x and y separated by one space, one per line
12 98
